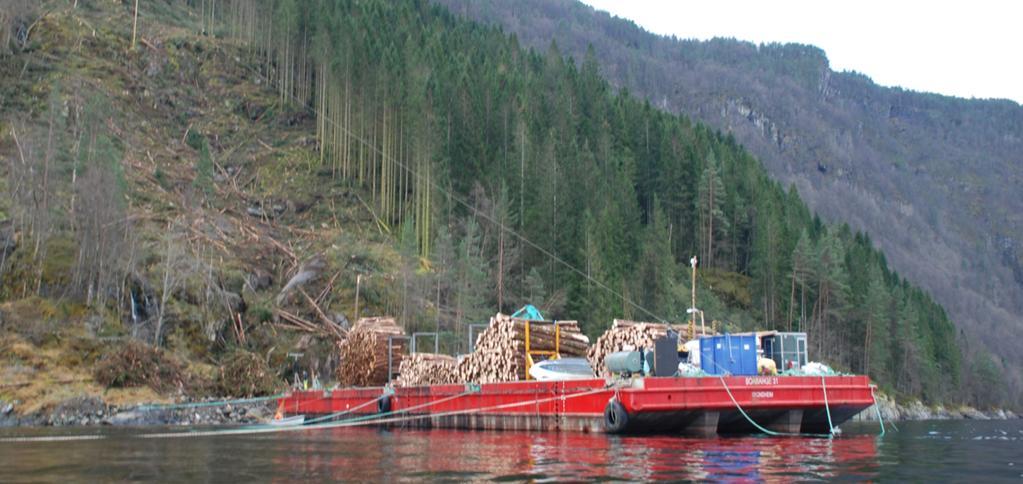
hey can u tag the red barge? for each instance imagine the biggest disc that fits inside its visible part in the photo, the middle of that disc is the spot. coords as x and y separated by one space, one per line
698 406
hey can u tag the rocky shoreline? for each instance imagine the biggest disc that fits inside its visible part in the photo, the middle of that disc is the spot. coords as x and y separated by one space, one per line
92 411
916 410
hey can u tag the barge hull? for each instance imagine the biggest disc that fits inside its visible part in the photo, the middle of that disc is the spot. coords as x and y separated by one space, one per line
666 405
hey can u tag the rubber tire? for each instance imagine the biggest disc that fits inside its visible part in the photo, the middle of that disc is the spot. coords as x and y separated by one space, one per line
616 419
384 404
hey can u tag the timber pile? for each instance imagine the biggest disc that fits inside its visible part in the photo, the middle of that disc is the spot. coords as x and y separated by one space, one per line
420 369
500 354
627 335
363 353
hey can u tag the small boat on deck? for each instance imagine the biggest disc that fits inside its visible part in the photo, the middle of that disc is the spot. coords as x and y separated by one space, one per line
561 369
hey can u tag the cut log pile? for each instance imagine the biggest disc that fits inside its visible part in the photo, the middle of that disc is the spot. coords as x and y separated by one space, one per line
363 354
500 354
627 335
420 369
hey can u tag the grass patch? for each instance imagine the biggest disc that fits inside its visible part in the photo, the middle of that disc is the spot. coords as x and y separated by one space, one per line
33 318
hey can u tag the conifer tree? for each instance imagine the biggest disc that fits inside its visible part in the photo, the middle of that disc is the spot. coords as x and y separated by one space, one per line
416 108
713 223
877 310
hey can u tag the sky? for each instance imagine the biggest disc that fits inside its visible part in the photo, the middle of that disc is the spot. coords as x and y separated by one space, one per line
966 49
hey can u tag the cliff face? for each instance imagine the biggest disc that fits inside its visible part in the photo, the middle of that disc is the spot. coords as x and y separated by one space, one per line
933 180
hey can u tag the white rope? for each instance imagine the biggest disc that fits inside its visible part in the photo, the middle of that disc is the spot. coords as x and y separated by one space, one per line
350 423
343 412
271 429
491 408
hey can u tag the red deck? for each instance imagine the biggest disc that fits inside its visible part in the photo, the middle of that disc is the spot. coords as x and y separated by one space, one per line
664 405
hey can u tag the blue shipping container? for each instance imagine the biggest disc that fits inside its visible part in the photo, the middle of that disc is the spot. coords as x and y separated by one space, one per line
729 355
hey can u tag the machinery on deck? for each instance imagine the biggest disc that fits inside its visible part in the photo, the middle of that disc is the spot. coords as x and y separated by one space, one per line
647 392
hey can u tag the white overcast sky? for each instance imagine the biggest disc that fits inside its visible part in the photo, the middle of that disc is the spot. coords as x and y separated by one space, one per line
970 48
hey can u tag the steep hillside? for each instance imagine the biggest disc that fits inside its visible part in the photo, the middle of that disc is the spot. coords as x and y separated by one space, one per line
165 194
934 180
239 181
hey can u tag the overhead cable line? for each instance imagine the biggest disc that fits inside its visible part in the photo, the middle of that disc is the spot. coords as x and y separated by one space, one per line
465 204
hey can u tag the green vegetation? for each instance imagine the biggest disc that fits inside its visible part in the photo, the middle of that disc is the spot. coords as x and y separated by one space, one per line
411 164
453 127
933 179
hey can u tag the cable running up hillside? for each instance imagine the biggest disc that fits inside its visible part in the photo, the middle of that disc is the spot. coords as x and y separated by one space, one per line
466 204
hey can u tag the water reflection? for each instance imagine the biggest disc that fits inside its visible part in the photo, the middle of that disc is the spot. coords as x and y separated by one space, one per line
920 451
347 454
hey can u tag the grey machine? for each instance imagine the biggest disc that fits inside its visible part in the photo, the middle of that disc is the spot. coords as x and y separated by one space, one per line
662 360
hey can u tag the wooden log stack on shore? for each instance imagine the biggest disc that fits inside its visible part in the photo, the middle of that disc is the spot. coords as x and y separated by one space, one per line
363 353
500 354
419 369
627 335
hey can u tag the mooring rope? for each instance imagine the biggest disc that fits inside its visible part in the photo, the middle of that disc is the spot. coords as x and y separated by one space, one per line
144 408
406 410
215 403
491 408
386 417
767 431
392 417
827 408
257 429
305 403
345 412
877 408
263 429
54 438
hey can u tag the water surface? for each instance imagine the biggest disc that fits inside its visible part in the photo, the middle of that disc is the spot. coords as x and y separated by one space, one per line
920 451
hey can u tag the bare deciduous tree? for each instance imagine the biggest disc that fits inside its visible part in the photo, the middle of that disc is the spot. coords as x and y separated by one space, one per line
29 188
219 304
102 226
175 266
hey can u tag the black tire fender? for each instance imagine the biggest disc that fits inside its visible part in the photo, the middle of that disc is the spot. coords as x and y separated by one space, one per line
616 419
384 404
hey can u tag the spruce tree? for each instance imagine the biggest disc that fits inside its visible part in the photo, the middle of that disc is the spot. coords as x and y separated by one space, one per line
711 196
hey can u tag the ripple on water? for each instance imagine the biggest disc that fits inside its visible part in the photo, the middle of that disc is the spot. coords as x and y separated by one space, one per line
919 451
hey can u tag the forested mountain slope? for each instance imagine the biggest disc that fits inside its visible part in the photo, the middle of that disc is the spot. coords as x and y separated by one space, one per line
161 196
934 180
274 168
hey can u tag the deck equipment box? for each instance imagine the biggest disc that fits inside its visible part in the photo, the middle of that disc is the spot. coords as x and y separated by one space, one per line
729 354
788 350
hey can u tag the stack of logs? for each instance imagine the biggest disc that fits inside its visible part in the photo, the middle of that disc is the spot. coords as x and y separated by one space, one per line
363 354
420 369
500 354
626 336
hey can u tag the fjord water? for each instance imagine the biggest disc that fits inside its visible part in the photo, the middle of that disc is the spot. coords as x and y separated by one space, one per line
983 451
